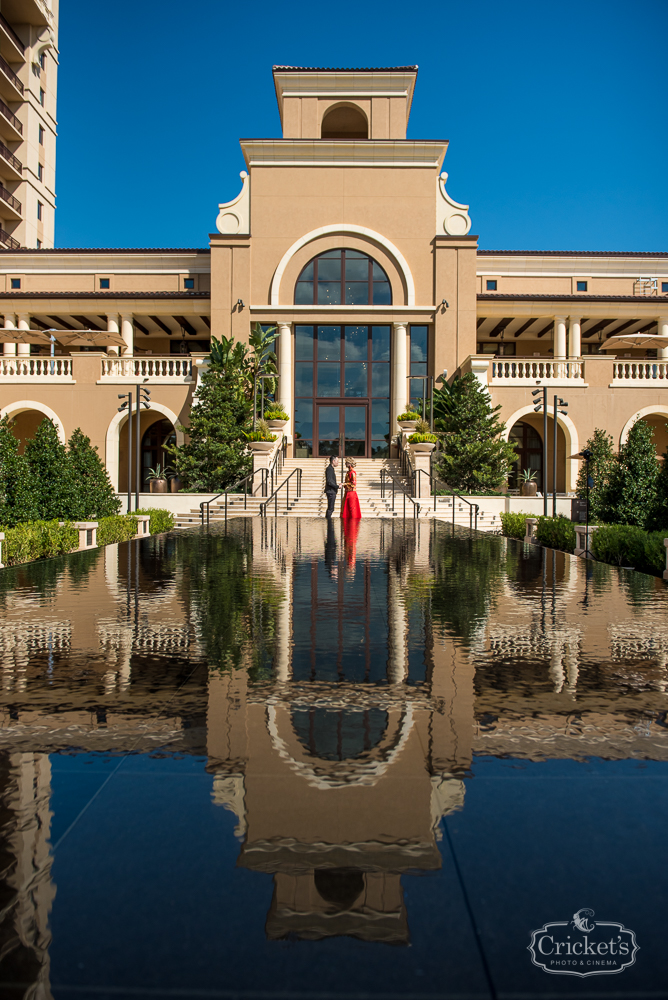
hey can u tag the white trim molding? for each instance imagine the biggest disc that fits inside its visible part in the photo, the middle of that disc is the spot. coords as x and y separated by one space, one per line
451 217
344 229
13 409
572 440
114 437
657 409
234 216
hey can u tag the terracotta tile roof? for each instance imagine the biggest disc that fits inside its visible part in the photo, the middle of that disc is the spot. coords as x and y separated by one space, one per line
555 297
571 253
105 295
345 69
108 250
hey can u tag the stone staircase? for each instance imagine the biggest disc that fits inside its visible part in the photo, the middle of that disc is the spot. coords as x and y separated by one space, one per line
313 503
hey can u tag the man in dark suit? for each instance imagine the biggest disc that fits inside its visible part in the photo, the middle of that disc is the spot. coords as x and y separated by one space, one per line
331 485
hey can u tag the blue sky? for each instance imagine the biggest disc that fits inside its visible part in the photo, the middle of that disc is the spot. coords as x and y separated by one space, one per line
556 112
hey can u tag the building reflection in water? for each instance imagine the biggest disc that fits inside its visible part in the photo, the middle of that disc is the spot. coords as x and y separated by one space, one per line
339 683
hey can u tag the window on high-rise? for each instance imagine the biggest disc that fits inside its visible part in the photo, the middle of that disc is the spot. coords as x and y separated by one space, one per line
582 286
42 96
40 210
16 283
664 286
104 282
40 171
41 135
189 283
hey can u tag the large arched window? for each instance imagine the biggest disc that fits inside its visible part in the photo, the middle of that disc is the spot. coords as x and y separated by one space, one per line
343 277
344 122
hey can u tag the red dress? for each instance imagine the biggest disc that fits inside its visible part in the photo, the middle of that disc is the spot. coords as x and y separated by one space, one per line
351 504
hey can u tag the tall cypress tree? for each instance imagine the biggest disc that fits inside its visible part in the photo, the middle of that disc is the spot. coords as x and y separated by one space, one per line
19 493
660 518
631 494
476 456
215 455
47 458
93 495
601 465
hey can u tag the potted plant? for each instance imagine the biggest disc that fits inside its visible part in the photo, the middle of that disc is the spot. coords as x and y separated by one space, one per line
157 480
528 485
422 439
276 417
261 439
408 420
174 479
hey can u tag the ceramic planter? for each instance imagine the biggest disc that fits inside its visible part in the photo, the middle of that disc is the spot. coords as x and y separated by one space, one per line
158 486
260 446
174 484
407 425
277 425
424 446
529 489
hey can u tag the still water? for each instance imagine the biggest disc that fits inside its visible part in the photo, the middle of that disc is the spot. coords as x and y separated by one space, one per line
286 762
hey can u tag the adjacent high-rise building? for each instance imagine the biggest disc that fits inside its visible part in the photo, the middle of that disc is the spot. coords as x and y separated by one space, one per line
28 78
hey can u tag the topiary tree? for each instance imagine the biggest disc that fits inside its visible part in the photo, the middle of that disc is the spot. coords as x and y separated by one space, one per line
660 518
601 465
630 496
93 495
47 457
19 493
476 457
215 455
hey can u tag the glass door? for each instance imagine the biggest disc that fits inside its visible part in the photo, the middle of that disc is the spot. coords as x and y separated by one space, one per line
339 424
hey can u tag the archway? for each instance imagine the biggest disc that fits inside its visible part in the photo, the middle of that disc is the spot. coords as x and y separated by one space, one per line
344 121
656 417
28 415
154 444
568 445
116 451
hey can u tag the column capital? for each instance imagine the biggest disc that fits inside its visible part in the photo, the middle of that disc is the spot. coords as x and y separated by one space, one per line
399 324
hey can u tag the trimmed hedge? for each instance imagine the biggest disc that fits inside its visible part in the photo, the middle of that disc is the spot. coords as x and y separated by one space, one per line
556 532
38 540
628 545
514 525
161 519
119 528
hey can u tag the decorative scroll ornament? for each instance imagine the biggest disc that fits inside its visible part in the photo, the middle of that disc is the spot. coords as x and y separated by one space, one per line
451 217
234 216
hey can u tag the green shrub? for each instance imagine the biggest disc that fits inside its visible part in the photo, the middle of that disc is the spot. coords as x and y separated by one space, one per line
161 520
628 545
422 439
514 525
119 528
276 413
38 540
409 415
556 532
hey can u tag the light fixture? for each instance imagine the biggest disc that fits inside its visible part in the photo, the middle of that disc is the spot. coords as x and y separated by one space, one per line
445 303
240 304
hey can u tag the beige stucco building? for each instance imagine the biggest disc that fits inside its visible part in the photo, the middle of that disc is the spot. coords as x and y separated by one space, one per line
344 236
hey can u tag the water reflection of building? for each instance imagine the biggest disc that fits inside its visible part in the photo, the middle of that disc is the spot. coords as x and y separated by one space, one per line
341 767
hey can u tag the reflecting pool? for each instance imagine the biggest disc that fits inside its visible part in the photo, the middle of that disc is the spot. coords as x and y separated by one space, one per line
286 761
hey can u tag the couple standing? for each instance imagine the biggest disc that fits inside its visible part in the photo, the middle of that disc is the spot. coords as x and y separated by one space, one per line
351 504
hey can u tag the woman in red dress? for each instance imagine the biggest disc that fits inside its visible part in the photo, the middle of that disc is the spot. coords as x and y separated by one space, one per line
351 504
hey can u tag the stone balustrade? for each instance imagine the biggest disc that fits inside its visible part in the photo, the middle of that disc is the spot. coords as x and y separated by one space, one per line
173 369
628 372
511 371
26 368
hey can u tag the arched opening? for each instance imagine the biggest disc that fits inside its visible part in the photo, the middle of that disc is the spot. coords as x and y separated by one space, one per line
657 422
344 122
339 734
527 436
156 433
155 441
339 887
343 277
25 424
27 415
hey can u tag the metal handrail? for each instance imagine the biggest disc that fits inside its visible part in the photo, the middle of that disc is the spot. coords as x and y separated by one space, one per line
9 241
274 495
474 508
12 34
10 199
386 474
231 489
9 72
7 154
276 468
11 117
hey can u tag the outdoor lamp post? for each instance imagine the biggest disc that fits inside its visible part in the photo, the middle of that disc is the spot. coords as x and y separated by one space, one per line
587 455
557 402
127 405
143 399
425 379
261 379
537 409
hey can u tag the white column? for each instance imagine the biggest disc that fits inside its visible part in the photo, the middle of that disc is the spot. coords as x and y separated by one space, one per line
128 335
24 324
400 383
663 332
112 327
285 374
574 337
10 324
397 661
559 338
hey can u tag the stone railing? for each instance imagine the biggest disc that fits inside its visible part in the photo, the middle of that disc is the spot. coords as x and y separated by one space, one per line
512 371
175 368
20 368
640 371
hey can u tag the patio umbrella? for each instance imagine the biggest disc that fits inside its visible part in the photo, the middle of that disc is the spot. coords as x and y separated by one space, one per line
24 337
636 340
88 338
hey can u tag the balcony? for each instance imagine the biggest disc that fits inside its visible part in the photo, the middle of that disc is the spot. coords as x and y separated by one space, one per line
10 127
10 166
635 373
173 370
14 368
10 85
7 241
10 207
516 371
11 46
